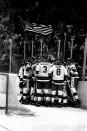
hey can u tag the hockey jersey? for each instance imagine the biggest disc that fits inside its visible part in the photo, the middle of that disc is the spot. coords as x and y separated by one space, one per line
58 73
24 71
43 71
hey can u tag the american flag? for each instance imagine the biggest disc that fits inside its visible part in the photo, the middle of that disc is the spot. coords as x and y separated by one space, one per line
42 29
27 26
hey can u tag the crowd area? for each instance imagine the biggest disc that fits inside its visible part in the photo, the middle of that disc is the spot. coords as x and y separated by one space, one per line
62 32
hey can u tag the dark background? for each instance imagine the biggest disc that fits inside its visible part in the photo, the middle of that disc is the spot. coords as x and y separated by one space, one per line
47 11
58 13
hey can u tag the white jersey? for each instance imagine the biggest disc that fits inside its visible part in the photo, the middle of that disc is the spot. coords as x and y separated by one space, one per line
43 71
59 71
23 72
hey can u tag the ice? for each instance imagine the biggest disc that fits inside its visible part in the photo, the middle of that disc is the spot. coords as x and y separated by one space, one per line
46 119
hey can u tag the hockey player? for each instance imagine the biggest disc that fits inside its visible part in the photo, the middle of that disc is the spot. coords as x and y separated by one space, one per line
25 74
33 86
58 90
43 82
20 75
73 83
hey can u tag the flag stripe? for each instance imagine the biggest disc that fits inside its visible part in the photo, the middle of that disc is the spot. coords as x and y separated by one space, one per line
42 29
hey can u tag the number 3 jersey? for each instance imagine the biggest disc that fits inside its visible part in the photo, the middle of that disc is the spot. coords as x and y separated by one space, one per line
58 72
43 71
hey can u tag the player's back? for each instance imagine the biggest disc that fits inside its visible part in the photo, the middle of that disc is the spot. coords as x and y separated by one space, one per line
43 68
58 72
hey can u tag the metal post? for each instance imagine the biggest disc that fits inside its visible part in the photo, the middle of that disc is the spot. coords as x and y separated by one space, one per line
64 44
32 48
7 90
71 52
10 65
84 62
59 41
10 69
41 42
24 49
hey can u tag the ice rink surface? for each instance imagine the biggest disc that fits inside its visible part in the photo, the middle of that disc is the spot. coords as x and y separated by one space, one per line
46 119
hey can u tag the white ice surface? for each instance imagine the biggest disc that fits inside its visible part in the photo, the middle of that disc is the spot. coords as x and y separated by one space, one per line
46 119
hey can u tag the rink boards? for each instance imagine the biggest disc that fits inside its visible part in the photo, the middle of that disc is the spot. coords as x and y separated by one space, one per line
14 82
11 81
82 92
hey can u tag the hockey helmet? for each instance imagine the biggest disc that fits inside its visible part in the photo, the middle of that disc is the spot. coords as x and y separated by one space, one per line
26 62
58 61
44 57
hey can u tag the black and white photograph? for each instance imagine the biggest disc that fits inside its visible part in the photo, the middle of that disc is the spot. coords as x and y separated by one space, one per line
43 65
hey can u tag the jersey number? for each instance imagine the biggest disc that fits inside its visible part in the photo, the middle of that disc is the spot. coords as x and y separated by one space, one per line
58 71
44 69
